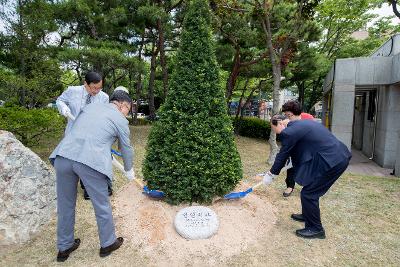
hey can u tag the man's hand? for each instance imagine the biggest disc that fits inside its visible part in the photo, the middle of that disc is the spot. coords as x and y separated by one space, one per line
67 113
130 174
267 178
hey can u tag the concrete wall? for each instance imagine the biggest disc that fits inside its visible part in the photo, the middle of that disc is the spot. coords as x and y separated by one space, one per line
388 126
395 69
381 71
365 72
389 48
343 100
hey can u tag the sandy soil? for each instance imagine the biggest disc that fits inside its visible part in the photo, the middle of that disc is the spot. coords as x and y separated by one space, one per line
147 224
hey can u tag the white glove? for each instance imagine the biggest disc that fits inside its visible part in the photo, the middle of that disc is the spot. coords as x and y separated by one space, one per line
69 115
65 111
267 178
130 174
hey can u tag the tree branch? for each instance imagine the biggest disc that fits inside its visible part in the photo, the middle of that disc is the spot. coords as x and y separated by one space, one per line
254 61
394 7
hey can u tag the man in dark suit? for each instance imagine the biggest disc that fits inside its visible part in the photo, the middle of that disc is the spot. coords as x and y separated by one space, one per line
292 109
318 159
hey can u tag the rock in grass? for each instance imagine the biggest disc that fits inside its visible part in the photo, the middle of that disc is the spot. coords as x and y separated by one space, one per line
27 191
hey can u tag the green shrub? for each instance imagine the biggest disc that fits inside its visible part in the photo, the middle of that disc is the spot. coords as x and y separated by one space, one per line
31 125
252 127
191 154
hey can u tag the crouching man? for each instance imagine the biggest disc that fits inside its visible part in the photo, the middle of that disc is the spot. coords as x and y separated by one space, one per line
85 152
318 159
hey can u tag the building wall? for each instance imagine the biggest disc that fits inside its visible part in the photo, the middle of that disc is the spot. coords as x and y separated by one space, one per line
343 100
381 70
389 48
388 126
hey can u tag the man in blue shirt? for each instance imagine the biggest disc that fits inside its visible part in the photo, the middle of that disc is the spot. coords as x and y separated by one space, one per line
75 98
85 153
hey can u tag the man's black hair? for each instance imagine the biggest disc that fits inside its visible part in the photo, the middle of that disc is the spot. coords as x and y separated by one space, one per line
93 77
276 118
293 106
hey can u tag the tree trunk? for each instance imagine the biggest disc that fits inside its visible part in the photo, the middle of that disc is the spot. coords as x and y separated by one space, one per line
301 88
230 85
114 78
276 68
20 35
239 109
276 74
163 62
248 100
152 110
394 7
139 81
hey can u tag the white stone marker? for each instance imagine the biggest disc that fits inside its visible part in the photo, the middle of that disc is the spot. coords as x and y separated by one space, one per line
196 222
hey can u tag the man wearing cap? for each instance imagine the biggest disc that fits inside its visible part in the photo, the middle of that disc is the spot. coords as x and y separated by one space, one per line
96 129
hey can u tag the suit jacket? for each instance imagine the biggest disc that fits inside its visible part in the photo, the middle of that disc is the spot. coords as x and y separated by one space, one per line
313 148
75 98
92 135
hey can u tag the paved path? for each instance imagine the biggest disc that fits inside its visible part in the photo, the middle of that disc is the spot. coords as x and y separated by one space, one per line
360 164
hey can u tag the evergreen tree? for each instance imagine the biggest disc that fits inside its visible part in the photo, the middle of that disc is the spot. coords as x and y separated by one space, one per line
191 154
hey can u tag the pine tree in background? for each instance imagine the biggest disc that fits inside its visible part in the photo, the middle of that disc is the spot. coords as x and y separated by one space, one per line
191 154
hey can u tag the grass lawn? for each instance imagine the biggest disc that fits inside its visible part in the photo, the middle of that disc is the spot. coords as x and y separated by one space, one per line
361 216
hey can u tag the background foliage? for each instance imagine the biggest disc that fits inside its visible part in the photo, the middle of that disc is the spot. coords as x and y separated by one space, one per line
252 127
31 126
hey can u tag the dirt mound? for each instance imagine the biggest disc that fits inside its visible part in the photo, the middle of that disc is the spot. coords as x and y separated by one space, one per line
148 226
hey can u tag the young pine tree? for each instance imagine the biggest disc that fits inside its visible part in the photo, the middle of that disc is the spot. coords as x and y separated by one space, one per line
191 154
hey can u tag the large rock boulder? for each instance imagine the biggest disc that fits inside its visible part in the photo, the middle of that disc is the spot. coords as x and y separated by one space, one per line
27 191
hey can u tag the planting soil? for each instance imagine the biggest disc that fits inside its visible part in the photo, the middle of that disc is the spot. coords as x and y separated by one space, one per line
149 226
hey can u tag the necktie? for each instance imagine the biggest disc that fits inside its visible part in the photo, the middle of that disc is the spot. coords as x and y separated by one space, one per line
88 99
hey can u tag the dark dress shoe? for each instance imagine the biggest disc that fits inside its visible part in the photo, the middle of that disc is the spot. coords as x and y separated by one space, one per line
110 191
298 217
308 233
63 255
288 194
104 252
85 195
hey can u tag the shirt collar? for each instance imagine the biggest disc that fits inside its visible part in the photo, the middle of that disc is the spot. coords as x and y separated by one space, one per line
85 93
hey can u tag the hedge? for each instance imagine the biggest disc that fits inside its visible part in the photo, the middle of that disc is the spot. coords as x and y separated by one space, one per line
252 127
31 125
